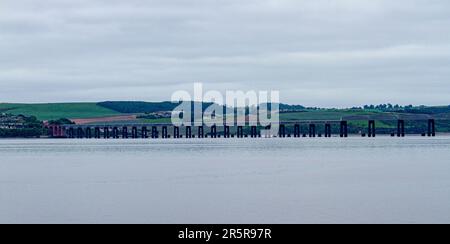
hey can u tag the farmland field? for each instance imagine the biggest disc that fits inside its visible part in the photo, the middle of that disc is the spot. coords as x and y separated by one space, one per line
58 110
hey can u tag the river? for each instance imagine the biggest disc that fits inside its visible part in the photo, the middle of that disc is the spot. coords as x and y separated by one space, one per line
321 180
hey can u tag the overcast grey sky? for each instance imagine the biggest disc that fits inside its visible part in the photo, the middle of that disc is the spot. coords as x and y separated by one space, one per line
316 52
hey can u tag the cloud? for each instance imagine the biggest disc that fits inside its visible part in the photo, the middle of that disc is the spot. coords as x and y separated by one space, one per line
316 52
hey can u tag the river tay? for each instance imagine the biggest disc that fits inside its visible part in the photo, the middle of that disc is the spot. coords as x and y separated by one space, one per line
292 180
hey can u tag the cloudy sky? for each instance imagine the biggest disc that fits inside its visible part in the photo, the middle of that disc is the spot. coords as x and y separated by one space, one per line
333 53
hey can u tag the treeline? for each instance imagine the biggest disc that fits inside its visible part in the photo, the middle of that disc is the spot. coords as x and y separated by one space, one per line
62 121
406 109
20 121
138 107
21 126
22 133
142 107
152 107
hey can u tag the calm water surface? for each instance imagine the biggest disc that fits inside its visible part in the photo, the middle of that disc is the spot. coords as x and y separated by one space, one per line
354 180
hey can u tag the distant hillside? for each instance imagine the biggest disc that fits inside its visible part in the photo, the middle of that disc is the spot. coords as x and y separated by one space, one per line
142 107
291 107
138 107
55 111
427 110
152 107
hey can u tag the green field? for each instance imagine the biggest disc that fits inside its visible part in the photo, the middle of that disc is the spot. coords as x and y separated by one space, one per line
150 121
321 115
58 110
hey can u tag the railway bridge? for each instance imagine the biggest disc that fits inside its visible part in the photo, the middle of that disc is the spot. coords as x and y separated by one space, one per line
296 129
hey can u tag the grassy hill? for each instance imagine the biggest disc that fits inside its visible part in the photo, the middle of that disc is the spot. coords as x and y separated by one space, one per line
58 110
322 114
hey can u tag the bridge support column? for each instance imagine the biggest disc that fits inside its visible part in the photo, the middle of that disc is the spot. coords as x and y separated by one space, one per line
116 133
344 129
97 133
226 131
125 132
240 132
144 133
106 133
201 132
254 132
59 132
134 132
155 132
214 131
297 132
282 131
176 132
88 133
268 131
327 130
165 134
71 133
188 132
53 131
312 130
62 131
80 133
372 129
431 127
401 128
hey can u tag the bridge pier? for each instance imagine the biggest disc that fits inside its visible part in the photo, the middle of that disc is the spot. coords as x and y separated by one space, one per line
144 133
327 130
282 131
80 133
134 132
226 131
372 129
71 133
401 128
240 132
155 132
164 132
176 132
97 133
297 132
431 127
106 133
312 130
52 131
62 131
88 133
115 133
254 132
267 131
124 132
344 129
214 131
201 132
188 132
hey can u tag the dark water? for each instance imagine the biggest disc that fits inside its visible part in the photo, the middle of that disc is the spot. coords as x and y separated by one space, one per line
354 180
